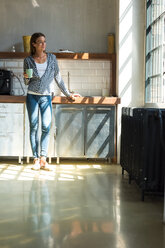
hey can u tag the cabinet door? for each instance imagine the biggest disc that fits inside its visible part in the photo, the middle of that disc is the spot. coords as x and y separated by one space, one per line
51 149
99 134
70 131
11 129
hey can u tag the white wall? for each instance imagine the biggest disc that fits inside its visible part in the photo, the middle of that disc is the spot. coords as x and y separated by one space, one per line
130 29
87 77
77 25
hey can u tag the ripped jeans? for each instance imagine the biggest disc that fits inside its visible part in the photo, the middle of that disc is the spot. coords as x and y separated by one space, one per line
42 104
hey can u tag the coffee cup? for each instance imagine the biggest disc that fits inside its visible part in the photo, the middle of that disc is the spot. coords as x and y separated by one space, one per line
29 72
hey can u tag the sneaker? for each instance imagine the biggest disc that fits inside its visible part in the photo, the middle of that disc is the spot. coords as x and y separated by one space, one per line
36 164
43 164
45 167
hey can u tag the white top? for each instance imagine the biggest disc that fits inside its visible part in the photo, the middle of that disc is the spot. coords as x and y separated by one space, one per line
41 68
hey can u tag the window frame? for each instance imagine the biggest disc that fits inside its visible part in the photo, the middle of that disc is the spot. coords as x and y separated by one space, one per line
155 52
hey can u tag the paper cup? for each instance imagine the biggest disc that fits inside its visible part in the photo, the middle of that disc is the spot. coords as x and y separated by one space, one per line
29 72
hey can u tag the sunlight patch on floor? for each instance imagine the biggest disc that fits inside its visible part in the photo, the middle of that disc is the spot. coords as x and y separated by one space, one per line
62 172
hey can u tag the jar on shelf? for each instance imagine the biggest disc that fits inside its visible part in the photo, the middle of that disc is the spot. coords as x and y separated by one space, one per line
13 49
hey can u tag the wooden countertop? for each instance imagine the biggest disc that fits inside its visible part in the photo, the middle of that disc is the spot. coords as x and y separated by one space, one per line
96 100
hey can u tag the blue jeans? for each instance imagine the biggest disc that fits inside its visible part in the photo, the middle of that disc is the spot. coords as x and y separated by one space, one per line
36 103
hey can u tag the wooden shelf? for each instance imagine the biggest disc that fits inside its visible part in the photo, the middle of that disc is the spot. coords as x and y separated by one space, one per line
11 55
83 56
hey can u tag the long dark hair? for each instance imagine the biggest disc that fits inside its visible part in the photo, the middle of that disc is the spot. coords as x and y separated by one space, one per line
33 39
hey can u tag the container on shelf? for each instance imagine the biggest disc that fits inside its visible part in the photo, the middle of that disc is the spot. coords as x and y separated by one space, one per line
26 43
111 43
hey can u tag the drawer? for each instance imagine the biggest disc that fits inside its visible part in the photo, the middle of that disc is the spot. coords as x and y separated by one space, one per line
11 122
13 108
11 143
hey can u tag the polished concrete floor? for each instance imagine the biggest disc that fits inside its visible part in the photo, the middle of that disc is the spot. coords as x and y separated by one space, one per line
76 205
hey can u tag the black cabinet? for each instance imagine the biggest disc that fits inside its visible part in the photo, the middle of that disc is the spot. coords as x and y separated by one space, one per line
142 147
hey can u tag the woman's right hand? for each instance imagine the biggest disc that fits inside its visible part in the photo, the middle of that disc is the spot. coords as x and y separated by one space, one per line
25 75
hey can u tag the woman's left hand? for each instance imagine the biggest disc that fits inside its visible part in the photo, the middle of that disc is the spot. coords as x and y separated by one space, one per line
72 97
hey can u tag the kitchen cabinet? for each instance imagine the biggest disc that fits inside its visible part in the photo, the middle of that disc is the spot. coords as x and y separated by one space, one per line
11 129
85 131
77 131
99 134
70 130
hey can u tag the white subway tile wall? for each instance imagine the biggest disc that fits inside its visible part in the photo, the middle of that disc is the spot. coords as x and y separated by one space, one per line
88 78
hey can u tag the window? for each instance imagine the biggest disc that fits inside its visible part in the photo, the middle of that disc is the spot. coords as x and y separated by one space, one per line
155 52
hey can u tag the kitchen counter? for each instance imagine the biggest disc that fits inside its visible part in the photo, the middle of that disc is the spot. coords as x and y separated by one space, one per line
96 100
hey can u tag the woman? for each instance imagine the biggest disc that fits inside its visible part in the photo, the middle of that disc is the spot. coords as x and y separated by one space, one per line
39 95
